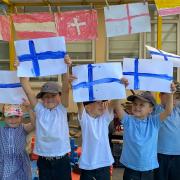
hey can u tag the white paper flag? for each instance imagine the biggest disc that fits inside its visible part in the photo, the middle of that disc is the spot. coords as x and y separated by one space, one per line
148 74
127 19
41 57
11 91
165 56
98 82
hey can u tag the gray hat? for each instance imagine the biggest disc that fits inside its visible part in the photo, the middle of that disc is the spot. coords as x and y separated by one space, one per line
145 96
49 87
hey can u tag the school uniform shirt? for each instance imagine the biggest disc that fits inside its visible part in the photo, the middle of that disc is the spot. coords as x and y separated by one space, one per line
52 133
140 142
169 133
96 152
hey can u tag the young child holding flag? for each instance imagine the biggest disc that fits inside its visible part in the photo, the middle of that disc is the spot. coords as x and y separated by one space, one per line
94 118
52 133
168 140
139 154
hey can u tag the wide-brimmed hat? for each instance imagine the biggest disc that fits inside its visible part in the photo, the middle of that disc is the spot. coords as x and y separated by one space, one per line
49 87
12 110
145 96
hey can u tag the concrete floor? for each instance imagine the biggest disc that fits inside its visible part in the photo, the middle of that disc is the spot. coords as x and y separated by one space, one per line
118 174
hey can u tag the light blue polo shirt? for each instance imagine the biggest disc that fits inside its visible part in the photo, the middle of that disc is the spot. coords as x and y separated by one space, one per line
169 133
140 142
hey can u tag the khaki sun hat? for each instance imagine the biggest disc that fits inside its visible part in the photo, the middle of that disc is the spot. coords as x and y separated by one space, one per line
49 87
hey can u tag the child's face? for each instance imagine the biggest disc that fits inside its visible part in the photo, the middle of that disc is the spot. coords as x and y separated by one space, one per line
176 99
96 109
141 109
51 100
13 121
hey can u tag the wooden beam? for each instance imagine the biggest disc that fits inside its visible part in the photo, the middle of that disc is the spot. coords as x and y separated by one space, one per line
159 32
72 3
11 43
7 2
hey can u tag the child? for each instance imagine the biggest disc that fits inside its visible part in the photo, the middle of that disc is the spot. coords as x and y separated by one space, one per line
96 157
14 161
52 133
139 154
168 140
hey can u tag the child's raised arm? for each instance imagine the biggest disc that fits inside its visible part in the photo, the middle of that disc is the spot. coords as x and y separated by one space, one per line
169 104
80 109
27 87
116 104
65 83
28 90
30 126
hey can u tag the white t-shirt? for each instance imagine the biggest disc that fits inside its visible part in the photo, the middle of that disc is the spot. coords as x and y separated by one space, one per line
52 132
96 152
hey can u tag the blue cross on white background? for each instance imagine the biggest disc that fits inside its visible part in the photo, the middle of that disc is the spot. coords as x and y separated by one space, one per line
93 81
159 54
11 91
12 85
150 77
46 56
35 57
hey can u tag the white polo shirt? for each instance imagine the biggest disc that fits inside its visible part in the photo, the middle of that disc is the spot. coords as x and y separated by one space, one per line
52 132
96 152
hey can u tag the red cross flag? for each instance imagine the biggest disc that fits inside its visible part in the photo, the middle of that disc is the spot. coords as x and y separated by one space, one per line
127 19
77 25
4 28
36 25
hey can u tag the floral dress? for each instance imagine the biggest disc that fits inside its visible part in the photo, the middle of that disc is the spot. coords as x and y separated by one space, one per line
14 161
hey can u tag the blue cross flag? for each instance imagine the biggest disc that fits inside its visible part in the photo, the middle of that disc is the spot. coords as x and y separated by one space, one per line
159 54
148 74
10 88
98 82
41 57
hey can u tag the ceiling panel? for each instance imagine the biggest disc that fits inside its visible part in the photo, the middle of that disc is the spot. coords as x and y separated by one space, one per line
72 2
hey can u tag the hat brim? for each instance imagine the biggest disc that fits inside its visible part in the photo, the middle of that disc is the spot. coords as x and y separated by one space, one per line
133 97
90 102
40 94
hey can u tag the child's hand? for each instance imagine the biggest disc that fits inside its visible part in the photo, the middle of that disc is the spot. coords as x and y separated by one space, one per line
16 63
105 104
71 78
67 60
124 81
26 104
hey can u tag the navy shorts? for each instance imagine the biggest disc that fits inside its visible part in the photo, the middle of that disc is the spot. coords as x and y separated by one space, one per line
54 169
169 167
130 174
96 174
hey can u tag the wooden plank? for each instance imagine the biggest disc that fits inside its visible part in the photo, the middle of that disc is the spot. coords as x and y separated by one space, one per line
71 3
6 2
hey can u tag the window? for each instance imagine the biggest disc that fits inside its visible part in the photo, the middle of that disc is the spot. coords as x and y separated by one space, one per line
4 55
169 39
123 46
